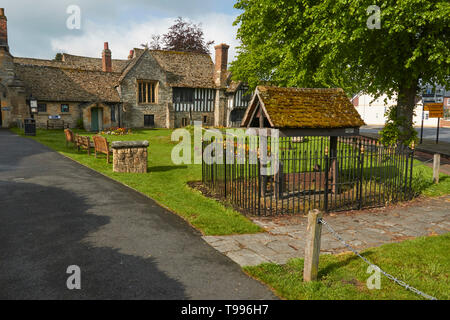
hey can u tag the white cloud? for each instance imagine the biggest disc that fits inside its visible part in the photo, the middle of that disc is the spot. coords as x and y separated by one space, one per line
122 38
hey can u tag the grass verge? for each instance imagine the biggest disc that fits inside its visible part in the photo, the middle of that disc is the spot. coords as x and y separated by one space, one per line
423 263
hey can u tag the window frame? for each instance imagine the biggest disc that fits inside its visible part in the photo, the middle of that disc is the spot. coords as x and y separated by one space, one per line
149 116
39 110
68 108
143 87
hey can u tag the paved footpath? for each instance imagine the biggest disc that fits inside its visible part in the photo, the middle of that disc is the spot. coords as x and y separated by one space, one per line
55 213
285 237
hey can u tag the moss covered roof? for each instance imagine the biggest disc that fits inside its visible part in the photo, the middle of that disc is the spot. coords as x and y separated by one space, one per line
305 108
62 84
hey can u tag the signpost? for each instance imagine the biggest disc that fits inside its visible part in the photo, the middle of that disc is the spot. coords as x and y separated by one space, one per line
436 110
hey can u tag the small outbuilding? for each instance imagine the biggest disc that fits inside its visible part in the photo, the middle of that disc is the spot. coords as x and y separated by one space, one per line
303 112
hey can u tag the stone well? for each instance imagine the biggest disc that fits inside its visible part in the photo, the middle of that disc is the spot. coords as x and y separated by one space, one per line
130 156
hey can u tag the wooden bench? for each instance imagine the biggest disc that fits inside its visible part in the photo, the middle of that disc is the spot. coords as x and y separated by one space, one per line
70 138
101 145
56 124
83 142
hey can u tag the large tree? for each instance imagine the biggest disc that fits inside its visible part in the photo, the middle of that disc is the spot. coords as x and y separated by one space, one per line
337 43
182 36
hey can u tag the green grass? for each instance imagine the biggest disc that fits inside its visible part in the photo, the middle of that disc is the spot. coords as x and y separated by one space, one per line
423 263
422 182
164 182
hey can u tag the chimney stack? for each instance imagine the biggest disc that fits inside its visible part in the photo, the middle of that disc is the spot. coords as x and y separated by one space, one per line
3 30
130 56
106 59
221 66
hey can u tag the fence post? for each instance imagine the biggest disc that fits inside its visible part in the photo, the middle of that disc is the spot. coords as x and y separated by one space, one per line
436 167
326 180
361 176
312 248
224 158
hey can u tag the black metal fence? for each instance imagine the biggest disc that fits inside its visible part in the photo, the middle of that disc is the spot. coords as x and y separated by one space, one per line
330 174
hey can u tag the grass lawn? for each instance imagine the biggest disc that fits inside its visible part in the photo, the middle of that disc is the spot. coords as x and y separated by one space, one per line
164 182
423 263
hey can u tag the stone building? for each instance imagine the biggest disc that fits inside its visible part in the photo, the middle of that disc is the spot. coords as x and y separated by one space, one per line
152 88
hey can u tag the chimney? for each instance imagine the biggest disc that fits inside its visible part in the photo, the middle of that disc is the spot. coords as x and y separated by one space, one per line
130 56
106 59
220 71
3 30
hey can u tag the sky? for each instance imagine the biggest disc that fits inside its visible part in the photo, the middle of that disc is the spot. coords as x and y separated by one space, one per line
39 29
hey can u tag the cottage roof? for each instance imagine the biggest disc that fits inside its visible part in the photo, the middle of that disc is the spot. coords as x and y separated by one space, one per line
75 62
49 83
304 108
186 69
78 78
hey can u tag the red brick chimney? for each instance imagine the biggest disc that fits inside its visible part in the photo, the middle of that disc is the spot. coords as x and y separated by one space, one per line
106 59
220 72
3 30
130 56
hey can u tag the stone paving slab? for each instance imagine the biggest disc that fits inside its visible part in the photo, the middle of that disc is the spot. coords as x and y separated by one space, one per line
285 237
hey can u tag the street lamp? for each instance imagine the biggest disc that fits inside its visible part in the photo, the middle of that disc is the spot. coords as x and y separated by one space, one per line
33 106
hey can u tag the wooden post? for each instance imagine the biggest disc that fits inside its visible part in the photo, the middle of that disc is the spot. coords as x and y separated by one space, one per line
436 165
312 249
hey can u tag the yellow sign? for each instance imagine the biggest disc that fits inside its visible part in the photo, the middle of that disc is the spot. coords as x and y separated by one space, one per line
436 110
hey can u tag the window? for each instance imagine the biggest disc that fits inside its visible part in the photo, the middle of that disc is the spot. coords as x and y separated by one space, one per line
205 119
42 107
149 120
184 122
147 91
183 95
64 108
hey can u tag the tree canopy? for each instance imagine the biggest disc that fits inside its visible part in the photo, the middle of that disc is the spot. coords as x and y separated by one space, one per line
182 36
332 43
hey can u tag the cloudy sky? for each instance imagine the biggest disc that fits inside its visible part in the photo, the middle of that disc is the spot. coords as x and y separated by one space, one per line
38 28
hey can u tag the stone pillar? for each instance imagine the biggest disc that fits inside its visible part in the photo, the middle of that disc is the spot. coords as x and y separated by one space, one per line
130 156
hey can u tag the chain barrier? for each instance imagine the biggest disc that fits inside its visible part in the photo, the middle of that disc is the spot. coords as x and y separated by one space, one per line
400 282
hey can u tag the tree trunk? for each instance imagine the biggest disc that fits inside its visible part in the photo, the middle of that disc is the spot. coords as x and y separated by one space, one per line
406 103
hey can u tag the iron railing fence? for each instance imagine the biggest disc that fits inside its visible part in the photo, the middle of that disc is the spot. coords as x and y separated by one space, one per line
314 173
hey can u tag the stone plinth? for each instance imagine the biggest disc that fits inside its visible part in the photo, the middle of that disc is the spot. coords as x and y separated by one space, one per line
130 156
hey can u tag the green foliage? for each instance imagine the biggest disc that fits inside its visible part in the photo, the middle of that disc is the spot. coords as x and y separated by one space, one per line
80 124
58 57
391 134
326 43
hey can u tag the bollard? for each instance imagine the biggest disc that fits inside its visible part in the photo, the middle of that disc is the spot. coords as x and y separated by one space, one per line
436 165
312 249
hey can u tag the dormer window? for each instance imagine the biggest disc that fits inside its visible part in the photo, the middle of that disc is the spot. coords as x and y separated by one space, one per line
147 91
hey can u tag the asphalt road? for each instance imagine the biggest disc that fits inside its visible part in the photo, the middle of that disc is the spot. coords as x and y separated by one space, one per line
55 213
428 133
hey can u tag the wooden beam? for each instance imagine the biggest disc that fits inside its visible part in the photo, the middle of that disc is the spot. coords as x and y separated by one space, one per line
312 249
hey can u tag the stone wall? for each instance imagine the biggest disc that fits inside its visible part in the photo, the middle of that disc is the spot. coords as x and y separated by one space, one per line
146 69
54 109
130 156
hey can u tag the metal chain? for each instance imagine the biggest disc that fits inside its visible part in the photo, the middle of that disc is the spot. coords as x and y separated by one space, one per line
400 282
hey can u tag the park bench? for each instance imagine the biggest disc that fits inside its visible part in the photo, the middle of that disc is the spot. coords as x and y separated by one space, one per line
83 142
101 145
70 138
56 124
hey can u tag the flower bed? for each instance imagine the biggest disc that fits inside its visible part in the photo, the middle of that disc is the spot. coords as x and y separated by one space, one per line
117 131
